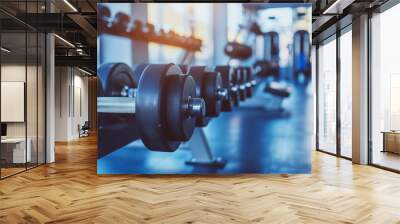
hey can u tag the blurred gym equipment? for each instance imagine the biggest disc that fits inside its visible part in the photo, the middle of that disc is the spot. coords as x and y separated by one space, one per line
301 56
165 105
229 81
237 50
209 87
162 105
269 66
122 25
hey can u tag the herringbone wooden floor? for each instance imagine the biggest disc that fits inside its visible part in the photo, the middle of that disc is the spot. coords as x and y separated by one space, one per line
69 191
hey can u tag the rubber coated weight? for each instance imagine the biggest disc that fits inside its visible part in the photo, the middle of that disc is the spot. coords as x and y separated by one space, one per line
121 22
240 80
238 51
103 13
226 76
116 130
113 77
137 72
151 106
235 97
209 87
197 73
212 83
180 89
235 85
248 80
137 26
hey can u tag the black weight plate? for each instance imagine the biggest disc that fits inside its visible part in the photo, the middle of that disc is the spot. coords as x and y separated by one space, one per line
248 79
119 76
197 73
180 88
212 82
227 105
249 91
151 107
102 76
243 75
112 77
226 75
235 98
121 22
202 122
137 72
103 14
249 74
115 130
238 51
239 80
103 11
235 76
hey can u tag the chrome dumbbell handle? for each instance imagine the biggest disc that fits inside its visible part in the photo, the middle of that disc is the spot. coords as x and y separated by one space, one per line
248 85
126 105
234 88
222 94
128 92
196 107
116 105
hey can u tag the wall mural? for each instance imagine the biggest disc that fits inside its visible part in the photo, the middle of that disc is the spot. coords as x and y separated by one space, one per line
204 88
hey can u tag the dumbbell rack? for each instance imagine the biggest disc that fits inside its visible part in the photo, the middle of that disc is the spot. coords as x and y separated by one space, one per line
145 32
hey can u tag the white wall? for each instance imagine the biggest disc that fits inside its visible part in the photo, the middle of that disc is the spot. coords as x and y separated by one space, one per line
71 102
33 127
16 73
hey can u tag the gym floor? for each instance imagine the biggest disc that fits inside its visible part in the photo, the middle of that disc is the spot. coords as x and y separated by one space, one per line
252 140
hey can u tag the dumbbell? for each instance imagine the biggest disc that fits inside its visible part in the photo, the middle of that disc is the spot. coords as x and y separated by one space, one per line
250 77
209 87
121 22
249 81
138 70
148 28
120 79
232 99
242 84
162 104
104 14
238 80
238 51
173 36
137 26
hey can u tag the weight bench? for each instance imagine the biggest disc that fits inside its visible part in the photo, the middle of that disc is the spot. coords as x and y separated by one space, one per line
277 93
